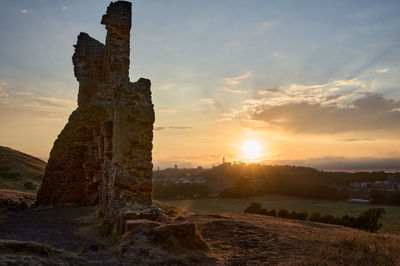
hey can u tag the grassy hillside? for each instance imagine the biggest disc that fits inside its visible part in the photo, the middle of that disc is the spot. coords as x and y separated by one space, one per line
232 239
391 220
17 169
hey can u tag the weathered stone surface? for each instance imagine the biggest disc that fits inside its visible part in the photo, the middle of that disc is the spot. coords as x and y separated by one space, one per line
151 213
103 154
184 234
141 225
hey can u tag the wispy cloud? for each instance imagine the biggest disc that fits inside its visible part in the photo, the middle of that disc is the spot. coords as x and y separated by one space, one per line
27 103
64 7
238 79
4 95
172 127
54 102
345 163
354 139
24 11
382 70
234 91
369 113
267 24
268 91
207 101
325 108
22 93
340 91
166 111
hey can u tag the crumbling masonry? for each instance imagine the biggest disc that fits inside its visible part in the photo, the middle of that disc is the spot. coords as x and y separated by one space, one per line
103 154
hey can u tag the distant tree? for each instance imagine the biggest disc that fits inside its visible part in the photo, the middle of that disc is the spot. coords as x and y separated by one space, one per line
298 215
254 207
283 213
395 199
369 220
29 185
263 212
377 197
243 188
315 217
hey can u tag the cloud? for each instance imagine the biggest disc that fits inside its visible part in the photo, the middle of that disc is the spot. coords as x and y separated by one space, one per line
339 93
346 164
234 91
26 103
64 7
4 95
180 127
23 11
268 91
24 93
54 102
207 101
354 139
267 24
166 111
237 80
171 127
370 112
382 70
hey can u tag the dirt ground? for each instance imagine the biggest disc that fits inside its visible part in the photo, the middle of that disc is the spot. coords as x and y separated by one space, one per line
233 239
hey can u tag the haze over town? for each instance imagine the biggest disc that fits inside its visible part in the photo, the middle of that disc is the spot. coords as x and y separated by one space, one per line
306 83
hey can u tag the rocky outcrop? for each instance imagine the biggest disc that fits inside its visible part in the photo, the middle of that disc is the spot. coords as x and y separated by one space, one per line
104 153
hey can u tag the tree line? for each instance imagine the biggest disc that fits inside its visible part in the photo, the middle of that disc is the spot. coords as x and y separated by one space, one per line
368 220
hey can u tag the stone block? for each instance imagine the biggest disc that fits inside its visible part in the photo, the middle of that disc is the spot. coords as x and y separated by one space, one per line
141 225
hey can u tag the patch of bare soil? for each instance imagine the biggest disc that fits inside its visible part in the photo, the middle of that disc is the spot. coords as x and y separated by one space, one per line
75 236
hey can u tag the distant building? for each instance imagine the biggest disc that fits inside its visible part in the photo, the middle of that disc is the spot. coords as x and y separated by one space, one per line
363 201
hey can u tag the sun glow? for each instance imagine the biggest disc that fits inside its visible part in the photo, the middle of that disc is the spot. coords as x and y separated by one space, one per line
252 149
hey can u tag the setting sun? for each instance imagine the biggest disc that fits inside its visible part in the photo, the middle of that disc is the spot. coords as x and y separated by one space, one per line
252 149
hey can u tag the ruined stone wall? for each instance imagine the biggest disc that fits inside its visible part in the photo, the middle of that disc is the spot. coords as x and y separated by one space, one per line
104 153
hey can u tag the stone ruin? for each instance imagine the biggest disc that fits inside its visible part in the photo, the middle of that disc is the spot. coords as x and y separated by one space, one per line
104 153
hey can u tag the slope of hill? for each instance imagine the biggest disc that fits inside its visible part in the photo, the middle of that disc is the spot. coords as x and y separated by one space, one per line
17 169
232 239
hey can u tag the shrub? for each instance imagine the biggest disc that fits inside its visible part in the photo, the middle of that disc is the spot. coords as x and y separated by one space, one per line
271 213
39 177
29 185
283 213
263 212
303 216
315 217
328 219
395 199
369 220
243 188
255 207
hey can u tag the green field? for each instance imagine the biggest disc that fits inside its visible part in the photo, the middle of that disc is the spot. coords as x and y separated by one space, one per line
391 220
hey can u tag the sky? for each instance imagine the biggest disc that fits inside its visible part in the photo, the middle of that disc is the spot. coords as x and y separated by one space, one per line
314 83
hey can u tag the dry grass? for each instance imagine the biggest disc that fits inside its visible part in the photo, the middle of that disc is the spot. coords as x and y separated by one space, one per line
359 248
232 238
18 196
17 168
250 239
